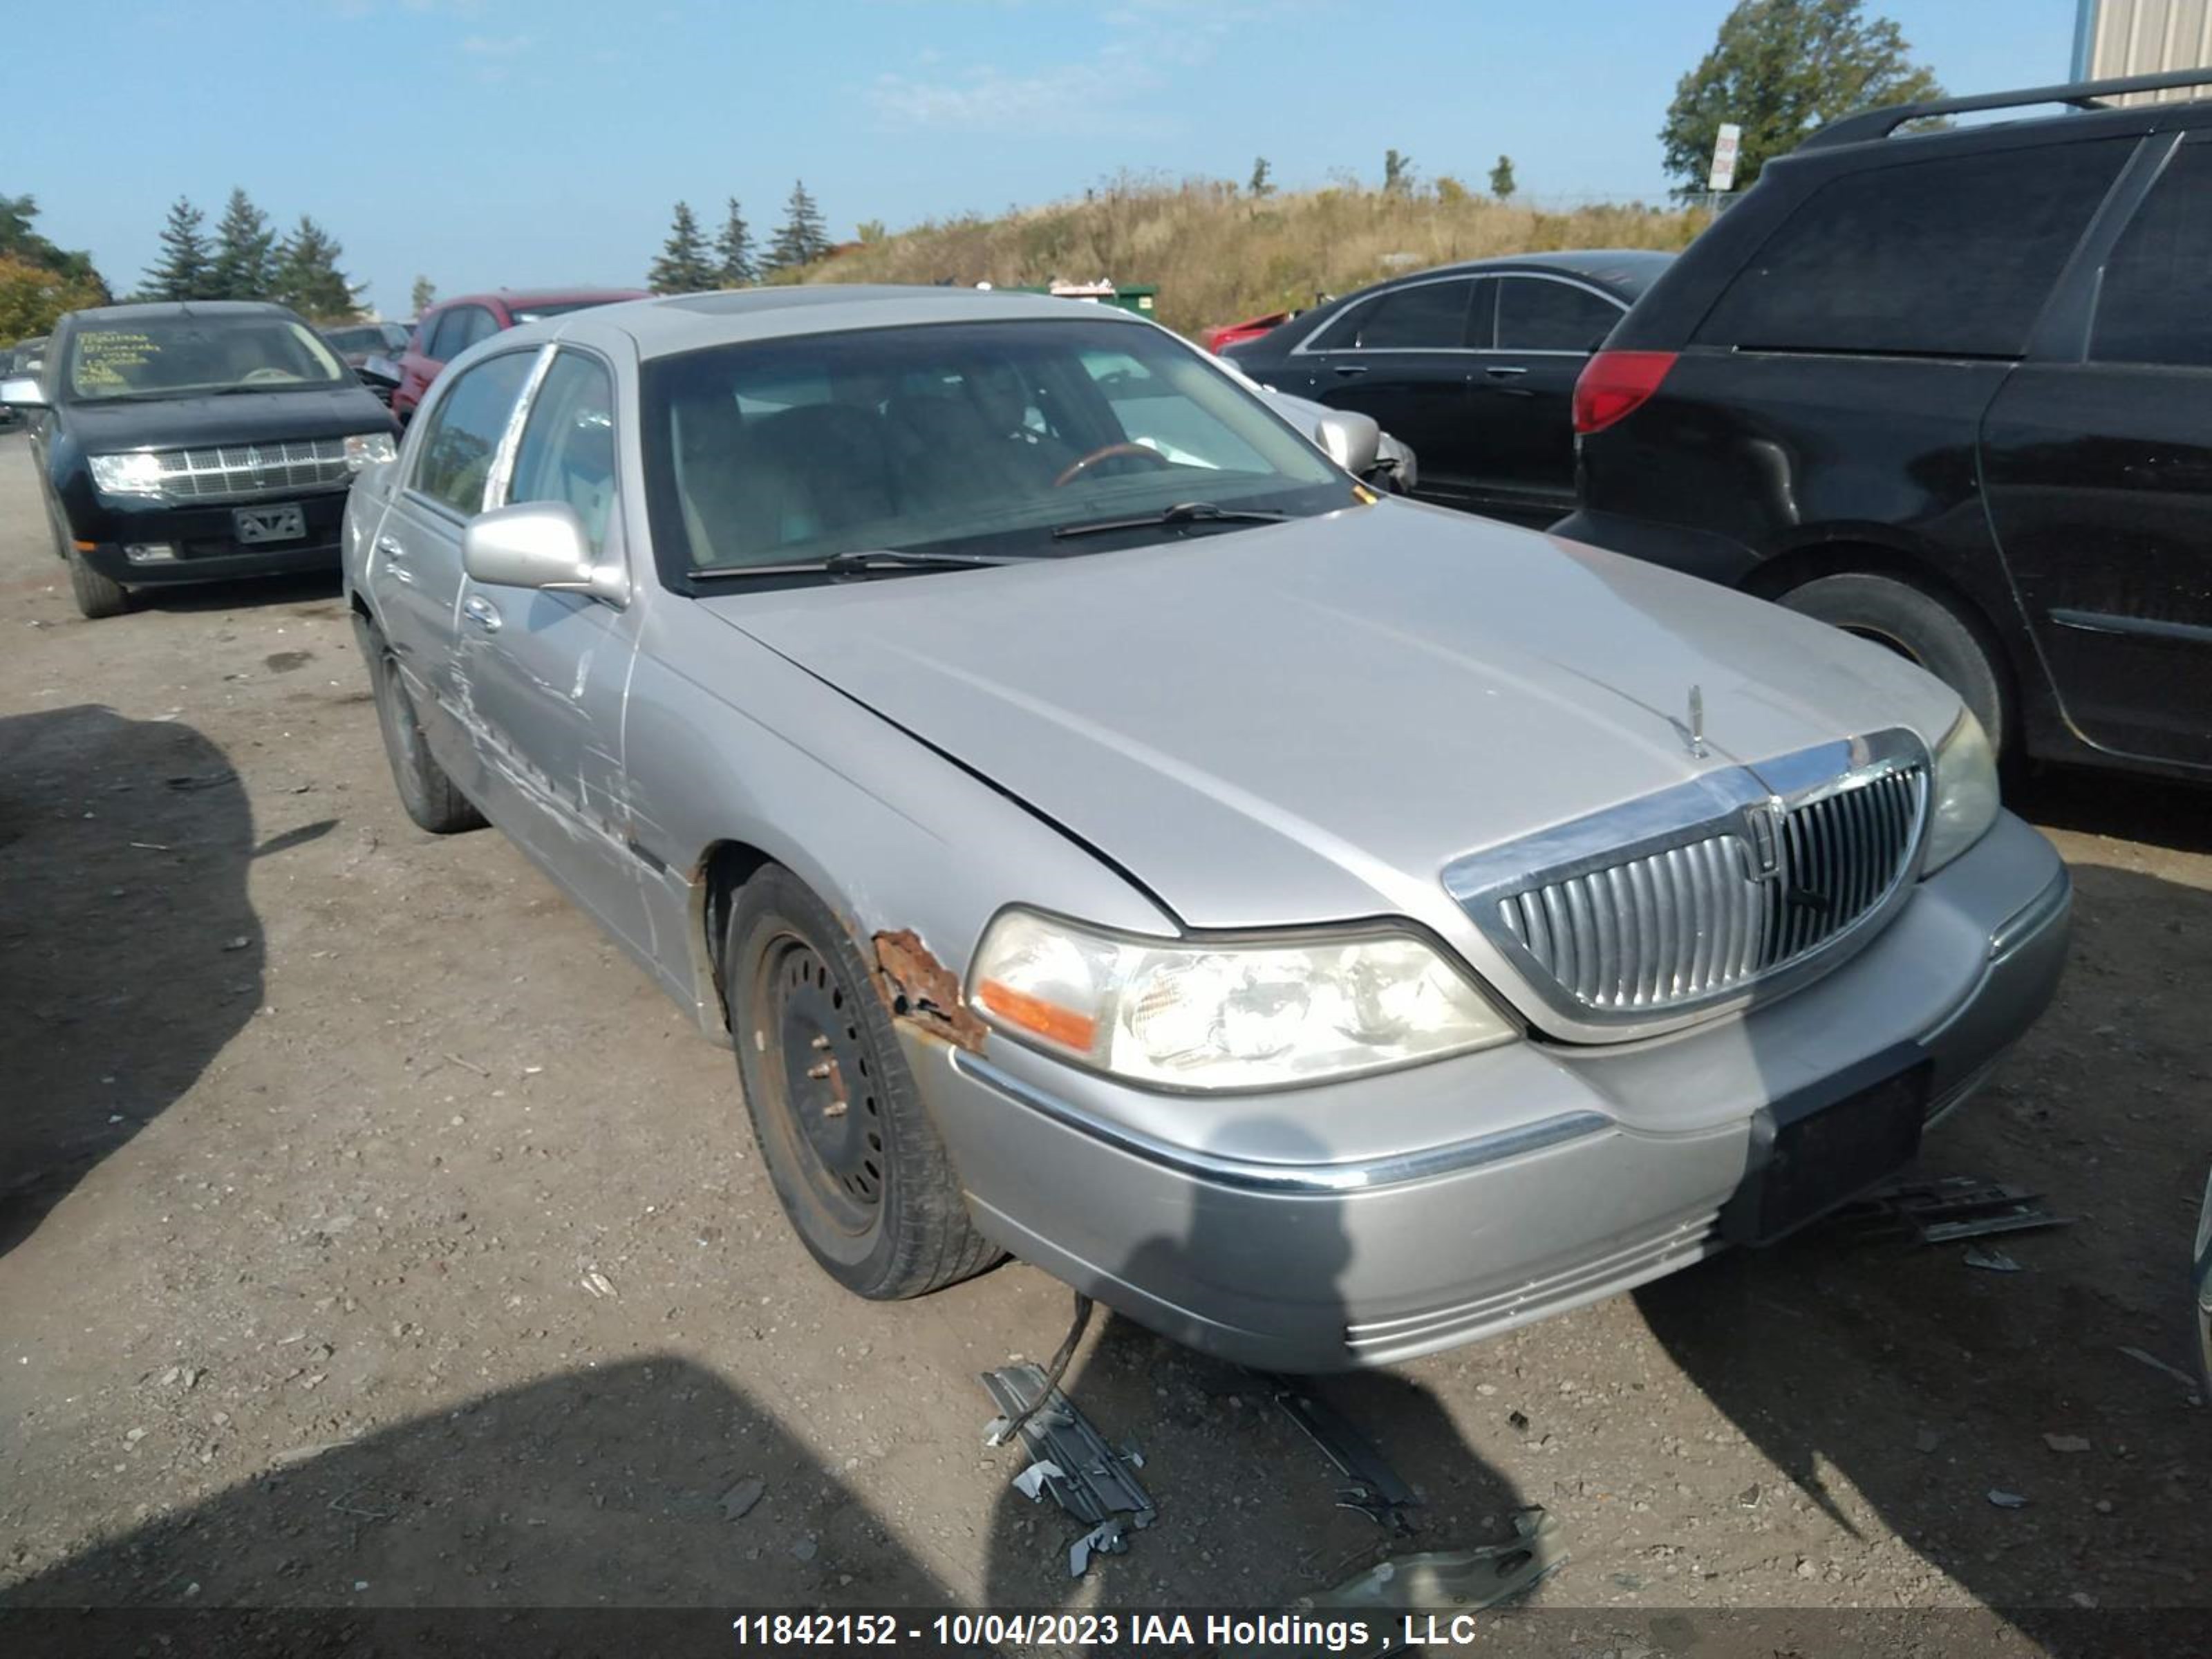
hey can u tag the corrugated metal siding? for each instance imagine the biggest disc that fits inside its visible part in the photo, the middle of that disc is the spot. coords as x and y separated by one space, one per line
2145 37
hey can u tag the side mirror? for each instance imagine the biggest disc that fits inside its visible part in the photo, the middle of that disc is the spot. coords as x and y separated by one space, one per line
538 545
22 392
1352 439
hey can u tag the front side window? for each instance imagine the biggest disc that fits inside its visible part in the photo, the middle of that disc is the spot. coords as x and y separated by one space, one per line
567 452
1952 258
1424 316
983 439
453 464
2150 305
1537 314
182 357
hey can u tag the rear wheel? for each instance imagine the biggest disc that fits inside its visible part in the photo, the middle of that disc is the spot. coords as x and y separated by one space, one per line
852 1156
1920 627
431 798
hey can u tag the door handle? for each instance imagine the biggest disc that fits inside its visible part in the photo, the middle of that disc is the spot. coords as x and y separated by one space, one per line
1345 371
1504 371
395 560
481 611
389 546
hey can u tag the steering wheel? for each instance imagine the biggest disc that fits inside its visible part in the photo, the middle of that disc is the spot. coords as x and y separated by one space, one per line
1107 451
264 374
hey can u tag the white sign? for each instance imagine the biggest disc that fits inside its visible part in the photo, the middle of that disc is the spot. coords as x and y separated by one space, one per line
1724 175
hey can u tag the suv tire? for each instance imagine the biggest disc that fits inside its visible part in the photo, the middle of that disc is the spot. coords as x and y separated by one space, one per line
851 1150
1920 627
96 596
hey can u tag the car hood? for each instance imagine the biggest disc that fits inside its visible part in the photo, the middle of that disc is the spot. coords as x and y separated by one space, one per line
237 417
1305 722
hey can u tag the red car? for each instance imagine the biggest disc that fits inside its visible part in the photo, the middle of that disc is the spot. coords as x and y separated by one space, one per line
447 330
1228 334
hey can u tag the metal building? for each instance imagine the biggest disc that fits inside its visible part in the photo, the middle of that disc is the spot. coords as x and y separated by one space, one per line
2141 37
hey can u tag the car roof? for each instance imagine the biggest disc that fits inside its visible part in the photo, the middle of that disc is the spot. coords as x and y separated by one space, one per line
527 297
666 326
126 313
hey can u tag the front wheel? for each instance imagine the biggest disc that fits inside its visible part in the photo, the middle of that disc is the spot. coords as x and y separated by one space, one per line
852 1155
96 595
1920 627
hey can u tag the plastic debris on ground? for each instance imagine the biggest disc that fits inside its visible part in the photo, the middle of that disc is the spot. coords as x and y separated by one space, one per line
1947 1208
1071 1462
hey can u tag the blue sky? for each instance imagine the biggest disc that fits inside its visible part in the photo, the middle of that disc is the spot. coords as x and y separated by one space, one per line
533 143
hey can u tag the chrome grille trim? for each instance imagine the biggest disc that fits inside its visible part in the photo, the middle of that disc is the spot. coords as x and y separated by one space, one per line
1744 881
237 472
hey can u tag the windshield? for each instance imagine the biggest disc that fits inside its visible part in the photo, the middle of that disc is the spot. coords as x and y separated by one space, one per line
184 356
971 437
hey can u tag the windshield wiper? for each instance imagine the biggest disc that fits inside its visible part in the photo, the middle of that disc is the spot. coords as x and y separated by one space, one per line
1181 513
861 562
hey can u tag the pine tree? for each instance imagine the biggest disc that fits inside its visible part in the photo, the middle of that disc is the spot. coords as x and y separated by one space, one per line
245 263
182 271
683 266
733 250
1501 177
1263 183
1397 174
424 296
802 239
307 275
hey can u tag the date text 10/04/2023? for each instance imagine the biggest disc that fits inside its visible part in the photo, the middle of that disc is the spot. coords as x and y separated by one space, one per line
1194 1631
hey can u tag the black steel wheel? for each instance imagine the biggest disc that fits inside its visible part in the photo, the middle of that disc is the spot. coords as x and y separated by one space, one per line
854 1160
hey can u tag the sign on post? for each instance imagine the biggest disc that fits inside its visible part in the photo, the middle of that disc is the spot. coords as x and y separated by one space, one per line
1724 146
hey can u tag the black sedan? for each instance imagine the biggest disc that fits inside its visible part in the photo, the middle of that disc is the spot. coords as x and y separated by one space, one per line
1472 365
190 442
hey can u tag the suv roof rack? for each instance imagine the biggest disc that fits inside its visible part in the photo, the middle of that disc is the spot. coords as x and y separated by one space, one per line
2079 95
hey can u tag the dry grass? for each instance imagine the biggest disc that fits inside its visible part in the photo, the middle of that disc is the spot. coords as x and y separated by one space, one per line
1218 254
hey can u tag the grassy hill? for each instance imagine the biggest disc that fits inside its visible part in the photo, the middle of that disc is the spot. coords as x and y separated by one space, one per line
1218 254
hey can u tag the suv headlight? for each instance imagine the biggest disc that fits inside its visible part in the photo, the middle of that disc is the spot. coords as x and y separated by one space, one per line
1966 792
364 449
138 474
1196 1015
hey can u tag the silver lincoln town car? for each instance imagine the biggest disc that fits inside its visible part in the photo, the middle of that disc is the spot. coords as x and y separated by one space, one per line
1323 927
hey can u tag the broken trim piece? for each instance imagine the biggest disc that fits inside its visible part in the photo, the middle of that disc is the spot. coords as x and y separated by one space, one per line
922 991
1070 1460
1373 1488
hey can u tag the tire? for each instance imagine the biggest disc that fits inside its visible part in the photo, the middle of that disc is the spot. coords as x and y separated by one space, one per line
855 1159
96 596
430 798
1920 627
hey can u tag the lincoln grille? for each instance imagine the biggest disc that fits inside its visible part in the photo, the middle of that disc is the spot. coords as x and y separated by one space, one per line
238 471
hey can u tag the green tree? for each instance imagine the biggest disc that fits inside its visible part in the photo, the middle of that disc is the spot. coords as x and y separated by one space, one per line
181 273
1397 174
800 240
1501 177
1780 70
423 295
683 266
20 241
734 251
245 263
307 275
1263 183
33 297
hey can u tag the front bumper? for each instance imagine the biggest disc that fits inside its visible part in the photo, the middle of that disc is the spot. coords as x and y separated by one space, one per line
1547 1176
205 542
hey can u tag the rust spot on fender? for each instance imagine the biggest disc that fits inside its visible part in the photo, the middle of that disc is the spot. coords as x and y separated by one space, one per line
921 990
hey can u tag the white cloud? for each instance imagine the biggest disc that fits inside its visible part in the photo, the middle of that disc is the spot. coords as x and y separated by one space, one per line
506 45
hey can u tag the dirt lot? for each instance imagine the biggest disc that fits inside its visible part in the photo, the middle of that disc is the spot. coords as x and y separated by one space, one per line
371 1233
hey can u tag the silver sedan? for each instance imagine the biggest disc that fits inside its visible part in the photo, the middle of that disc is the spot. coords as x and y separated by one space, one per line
1323 927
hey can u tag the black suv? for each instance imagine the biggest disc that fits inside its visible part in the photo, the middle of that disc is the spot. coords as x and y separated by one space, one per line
193 442
1951 390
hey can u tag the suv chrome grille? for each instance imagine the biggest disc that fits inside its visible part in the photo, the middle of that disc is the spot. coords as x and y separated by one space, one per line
1741 880
238 471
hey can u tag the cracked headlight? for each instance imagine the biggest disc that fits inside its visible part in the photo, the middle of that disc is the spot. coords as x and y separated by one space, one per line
1197 1015
365 449
138 474
1965 803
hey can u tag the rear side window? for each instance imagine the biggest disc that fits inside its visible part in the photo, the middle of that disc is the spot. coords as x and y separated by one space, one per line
1425 317
2151 306
1949 259
454 463
1537 314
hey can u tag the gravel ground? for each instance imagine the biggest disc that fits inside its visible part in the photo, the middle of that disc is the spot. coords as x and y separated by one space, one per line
372 1234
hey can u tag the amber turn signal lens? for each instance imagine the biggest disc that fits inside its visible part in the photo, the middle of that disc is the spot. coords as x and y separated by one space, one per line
1048 1019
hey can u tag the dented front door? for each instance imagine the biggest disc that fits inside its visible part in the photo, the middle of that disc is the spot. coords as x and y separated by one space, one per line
543 675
